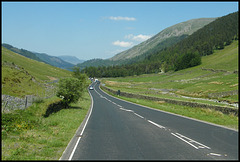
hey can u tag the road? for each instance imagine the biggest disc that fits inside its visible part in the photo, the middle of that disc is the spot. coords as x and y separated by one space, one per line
119 130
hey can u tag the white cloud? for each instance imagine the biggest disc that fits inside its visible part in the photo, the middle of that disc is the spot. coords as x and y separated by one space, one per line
122 18
139 37
122 43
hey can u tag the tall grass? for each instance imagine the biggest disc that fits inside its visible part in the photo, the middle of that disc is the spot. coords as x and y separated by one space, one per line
28 135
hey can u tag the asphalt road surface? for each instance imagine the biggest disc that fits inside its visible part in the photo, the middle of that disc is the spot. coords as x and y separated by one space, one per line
119 130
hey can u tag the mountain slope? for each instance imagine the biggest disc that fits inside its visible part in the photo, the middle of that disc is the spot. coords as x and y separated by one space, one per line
216 77
23 76
71 59
54 61
165 38
187 27
184 54
213 36
51 60
22 52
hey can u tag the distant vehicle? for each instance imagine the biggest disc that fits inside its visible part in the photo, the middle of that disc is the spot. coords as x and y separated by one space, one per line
91 88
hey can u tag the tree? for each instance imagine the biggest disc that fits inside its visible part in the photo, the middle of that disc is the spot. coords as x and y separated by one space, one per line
70 90
81 76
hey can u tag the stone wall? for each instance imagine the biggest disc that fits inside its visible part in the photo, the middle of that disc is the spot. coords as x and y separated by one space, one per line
220 70
223 94
10 103
225 110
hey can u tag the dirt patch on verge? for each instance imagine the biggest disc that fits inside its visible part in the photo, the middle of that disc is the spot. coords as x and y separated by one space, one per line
52 78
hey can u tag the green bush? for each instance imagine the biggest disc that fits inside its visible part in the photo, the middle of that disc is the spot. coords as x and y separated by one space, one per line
70 90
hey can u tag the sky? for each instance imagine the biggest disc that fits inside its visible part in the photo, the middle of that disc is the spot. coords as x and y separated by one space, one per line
91 30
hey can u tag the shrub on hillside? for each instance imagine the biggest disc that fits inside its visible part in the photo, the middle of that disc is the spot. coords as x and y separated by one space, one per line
70 90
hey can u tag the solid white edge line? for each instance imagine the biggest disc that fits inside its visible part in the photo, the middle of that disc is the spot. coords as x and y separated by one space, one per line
70 158
74 149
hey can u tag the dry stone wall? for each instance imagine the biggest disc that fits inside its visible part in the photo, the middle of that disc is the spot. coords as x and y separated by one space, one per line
225 110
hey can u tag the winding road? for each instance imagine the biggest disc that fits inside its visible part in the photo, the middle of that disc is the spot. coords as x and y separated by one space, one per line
118 130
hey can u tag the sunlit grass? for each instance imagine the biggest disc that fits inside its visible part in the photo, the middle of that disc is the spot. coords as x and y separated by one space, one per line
45 138
192 82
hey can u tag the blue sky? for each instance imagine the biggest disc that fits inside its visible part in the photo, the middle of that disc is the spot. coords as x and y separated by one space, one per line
90 30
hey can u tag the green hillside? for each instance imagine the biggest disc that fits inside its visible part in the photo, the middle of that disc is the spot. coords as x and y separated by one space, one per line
177 30
40 131
215 78
22 52
54 61
23 76
185 53
158 42
41 57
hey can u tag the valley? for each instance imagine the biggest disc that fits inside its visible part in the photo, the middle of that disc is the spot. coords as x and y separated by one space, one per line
195 61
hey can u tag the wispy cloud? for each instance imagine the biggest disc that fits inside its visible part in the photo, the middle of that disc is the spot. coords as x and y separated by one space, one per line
122 43
139 37
122 18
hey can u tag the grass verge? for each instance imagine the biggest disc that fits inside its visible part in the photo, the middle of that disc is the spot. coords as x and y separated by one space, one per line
28 135
208 115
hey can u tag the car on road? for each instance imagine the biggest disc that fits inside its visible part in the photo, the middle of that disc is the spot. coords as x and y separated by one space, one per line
91 88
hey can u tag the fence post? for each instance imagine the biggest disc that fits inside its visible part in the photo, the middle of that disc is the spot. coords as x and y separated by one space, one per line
6 104
26 102
5 107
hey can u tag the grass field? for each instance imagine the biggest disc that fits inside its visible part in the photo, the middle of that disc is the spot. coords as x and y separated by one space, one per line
28 135
208 115
193 82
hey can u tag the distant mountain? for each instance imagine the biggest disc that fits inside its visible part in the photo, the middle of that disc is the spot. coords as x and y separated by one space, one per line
96 62
184 54
183 28
71 59
163 39
54 61
41 57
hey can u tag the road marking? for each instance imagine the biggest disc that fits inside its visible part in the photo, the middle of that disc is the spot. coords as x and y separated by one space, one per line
156 124
74 149
214 154
125 109
190 141
169 112
138 115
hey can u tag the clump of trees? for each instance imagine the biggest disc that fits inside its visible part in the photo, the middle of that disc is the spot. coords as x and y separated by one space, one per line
188 60
71 89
